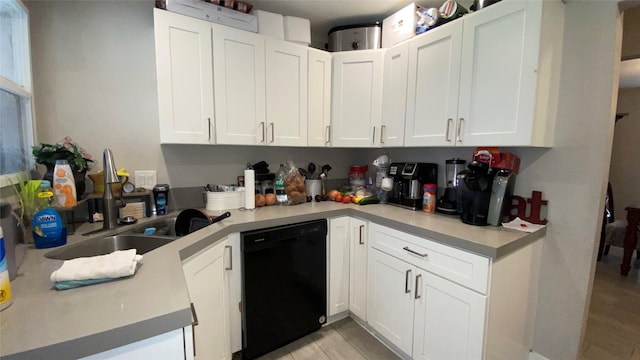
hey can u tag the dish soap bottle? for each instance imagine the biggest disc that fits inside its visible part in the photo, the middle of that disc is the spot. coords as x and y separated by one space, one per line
281 195
5 283
64 185
46 226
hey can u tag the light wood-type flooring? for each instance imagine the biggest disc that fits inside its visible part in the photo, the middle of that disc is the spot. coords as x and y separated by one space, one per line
343 340
613 326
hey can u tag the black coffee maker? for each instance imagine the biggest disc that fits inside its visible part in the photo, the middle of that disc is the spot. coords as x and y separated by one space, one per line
474 193
408 182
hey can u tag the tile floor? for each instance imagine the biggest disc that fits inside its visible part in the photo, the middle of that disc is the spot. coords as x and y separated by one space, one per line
613 326
343 340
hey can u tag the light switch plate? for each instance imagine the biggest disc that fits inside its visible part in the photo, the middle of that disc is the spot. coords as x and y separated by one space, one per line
146 178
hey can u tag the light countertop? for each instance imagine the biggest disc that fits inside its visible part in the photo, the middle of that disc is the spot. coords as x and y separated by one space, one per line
45 323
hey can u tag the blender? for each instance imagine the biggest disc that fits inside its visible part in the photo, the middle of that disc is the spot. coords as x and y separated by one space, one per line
448 203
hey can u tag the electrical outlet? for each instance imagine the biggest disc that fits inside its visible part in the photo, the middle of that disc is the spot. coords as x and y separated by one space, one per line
146 178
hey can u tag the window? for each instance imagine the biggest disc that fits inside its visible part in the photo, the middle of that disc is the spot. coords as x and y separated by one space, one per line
16 122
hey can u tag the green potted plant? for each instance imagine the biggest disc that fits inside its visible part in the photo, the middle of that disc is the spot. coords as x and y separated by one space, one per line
77 157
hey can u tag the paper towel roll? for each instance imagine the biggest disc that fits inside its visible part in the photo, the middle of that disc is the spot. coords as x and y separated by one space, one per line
250 189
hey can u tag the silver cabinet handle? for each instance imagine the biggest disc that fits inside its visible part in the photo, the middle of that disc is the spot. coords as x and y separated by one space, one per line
406 282
327 135
382 133
449 121
373 138
416 296
273 132
230 257
264 132
406 248
194 323
459 132
209 121
361 238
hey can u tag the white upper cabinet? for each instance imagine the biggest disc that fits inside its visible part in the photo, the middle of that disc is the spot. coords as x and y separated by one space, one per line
509 74
357 98
239 82
396 65
286 80
185 80
319 96
432 94
490 78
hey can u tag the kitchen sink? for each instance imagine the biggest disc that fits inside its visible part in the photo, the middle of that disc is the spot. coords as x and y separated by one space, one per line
109 244
132 238
164 226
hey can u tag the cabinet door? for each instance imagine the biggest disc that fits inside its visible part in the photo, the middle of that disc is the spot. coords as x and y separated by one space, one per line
449 320
235 291
171 345
338 253
185 79
358 268
498 74
356 98
319 98
390 300
207 281
394 103
286 79
432 95
239 83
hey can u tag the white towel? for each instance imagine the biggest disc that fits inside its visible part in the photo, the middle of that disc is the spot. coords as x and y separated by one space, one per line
117 264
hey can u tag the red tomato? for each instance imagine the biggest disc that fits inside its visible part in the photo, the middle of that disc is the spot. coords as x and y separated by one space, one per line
346 199
338 198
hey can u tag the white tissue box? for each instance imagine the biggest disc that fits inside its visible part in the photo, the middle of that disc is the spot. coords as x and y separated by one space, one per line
270 24
297 30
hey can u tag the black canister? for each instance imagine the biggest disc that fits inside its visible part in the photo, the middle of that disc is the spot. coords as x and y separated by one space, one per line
161 196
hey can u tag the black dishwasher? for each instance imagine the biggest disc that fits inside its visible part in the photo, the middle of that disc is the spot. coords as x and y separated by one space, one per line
284 285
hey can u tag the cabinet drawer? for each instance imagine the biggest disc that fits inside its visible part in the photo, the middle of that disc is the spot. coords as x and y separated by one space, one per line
459 266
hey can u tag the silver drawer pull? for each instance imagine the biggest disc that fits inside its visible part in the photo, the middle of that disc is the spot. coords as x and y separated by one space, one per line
406 282
406 248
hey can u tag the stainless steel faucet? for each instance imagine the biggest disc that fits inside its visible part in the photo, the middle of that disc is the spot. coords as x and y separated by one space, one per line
110 205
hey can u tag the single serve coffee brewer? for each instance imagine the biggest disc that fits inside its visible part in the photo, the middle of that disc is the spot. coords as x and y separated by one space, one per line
408 181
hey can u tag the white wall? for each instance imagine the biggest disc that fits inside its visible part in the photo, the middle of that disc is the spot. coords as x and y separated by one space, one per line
94 75
625 158
573 174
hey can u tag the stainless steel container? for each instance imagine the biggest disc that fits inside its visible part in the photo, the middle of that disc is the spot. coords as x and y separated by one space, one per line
355 37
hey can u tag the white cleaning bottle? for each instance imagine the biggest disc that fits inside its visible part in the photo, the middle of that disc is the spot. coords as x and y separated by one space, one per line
64 185
5 283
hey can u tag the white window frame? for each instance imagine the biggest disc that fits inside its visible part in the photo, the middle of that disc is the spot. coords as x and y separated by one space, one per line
26 91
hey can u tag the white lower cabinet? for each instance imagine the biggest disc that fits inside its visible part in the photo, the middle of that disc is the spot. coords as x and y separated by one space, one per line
338 265
174 344
423 314
448 321
358 244
347 266
390 310
207 274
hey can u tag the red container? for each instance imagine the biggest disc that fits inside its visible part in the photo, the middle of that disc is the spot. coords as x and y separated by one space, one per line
357 174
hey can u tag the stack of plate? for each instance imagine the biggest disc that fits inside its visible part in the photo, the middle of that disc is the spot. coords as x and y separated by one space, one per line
225 200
